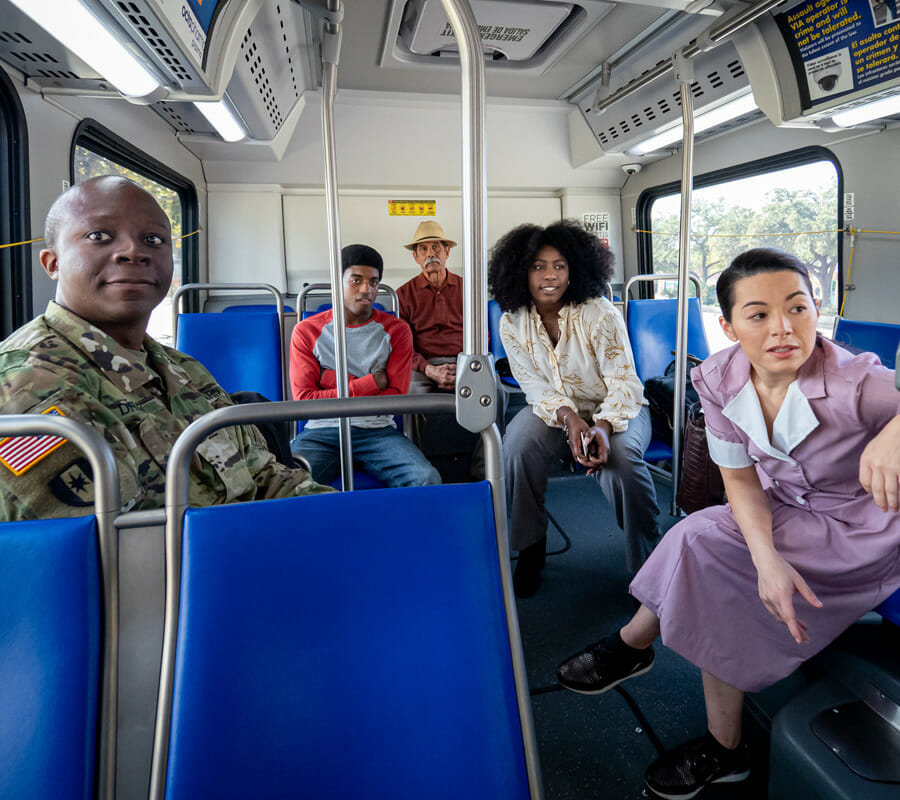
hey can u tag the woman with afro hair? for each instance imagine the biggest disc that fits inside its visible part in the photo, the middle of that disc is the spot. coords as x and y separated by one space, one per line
568 349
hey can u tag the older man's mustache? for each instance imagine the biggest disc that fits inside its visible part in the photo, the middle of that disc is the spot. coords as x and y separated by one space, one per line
432 260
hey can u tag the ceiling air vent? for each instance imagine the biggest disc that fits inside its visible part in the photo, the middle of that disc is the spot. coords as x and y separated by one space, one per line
718 76
516 35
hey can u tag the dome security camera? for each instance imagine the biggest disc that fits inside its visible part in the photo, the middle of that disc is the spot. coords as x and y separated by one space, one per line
631 169
827 78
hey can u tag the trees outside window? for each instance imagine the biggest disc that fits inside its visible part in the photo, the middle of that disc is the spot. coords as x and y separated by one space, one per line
794 209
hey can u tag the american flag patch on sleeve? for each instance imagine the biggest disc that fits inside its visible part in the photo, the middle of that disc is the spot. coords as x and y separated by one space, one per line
21 453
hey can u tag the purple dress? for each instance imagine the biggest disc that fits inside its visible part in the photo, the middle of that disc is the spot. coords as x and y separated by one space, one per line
700 580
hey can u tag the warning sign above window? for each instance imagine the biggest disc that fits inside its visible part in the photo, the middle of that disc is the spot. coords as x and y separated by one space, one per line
412 208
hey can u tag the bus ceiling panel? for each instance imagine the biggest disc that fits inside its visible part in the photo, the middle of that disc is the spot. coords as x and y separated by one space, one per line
518 36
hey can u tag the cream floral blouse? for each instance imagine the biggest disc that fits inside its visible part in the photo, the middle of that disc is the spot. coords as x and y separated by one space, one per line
591 368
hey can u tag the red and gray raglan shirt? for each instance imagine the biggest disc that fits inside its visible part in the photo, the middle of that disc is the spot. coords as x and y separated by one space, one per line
382 343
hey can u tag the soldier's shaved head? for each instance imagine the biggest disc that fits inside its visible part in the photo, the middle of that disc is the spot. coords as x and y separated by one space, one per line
109 247
60 209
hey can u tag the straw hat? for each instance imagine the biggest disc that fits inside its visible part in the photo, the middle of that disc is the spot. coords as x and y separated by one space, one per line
429 231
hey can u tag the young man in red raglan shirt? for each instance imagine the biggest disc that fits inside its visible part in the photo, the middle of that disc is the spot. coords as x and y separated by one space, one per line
379 359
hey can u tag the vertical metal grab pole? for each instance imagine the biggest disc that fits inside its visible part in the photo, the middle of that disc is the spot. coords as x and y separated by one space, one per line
474 184
476 389
684 75
332 33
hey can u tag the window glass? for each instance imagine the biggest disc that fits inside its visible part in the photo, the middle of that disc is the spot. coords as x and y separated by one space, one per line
15 220
89 165
794 209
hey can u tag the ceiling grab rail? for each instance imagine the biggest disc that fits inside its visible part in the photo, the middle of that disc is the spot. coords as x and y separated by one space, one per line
331 50
684 74
476 385
730 23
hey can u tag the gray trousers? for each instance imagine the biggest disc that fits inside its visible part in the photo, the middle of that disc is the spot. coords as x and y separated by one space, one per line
529 449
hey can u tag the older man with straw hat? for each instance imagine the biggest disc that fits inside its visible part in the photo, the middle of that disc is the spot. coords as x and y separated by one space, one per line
431 304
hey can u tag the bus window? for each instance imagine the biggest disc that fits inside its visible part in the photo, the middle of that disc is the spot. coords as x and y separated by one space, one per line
15 262
89 164
793 209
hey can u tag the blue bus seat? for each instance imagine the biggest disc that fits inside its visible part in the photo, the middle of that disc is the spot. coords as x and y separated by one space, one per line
880 338
652 332
345 645
327 307
495 343
257 307
243 354
50 656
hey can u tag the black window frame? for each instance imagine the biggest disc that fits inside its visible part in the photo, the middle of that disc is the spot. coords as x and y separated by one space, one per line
16 303
95 137
760 166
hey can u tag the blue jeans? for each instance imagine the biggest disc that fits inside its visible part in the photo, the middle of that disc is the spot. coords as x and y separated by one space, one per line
384 453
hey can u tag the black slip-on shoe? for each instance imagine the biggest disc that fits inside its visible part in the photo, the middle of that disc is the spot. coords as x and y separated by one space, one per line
684 772
603 665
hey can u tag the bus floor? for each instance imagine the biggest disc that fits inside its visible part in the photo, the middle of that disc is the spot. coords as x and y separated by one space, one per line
594 746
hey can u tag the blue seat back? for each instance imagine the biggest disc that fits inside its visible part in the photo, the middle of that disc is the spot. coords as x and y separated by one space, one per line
50 640
345 645
495 343
243 352
652 331
498 351
880 338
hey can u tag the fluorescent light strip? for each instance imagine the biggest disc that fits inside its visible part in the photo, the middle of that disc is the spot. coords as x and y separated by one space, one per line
69 22
703 122
220 116
885 107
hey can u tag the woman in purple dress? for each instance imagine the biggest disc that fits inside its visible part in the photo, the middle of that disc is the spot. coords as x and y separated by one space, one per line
807 437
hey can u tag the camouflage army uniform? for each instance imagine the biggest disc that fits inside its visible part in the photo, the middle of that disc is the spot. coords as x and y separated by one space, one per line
61 361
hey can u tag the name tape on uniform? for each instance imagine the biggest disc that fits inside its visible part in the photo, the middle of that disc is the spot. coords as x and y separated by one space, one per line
21 453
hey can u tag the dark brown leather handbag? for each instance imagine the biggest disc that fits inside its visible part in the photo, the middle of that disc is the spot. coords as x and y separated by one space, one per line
701 482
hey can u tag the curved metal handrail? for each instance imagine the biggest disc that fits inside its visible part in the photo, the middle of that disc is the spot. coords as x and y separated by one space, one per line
107 505
325 289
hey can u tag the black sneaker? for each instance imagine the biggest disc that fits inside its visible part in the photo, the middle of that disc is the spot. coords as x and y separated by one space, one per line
601 666
684 772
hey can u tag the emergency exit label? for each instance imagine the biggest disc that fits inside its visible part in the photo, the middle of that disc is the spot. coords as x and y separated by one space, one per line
412 208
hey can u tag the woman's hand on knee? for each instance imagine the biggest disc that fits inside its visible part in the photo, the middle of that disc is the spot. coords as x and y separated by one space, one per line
778 581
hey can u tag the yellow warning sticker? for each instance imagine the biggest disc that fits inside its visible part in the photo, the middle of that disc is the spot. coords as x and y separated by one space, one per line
412 208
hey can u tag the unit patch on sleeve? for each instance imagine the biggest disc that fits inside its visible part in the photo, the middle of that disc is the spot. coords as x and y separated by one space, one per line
74 486
21 453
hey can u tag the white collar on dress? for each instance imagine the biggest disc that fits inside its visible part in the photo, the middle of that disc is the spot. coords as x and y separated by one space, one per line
794 422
